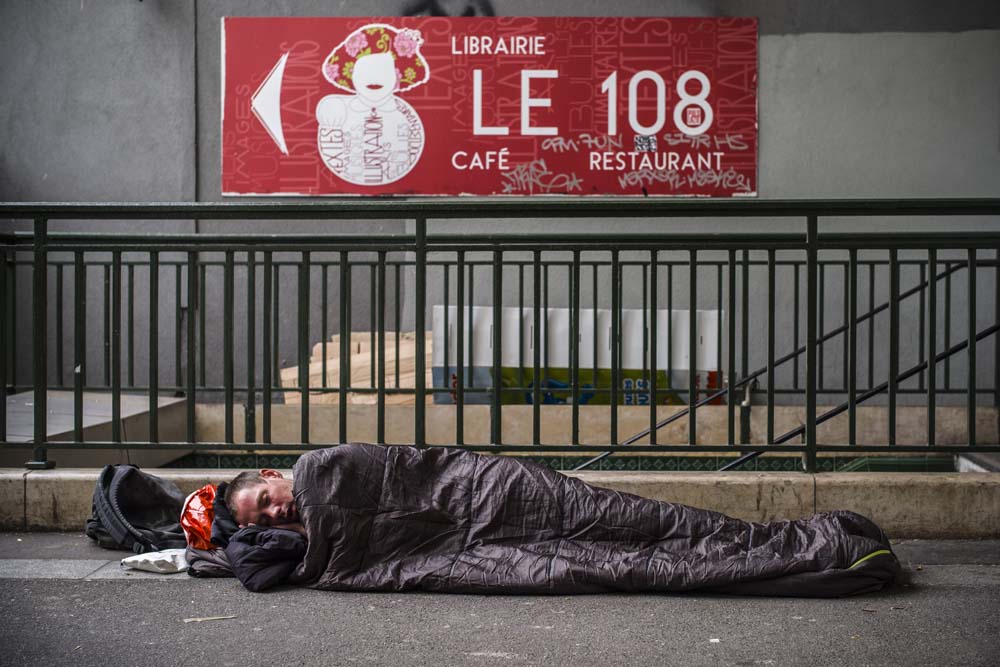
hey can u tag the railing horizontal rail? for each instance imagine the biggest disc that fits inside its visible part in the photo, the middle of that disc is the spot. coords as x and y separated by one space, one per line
404 241
597 207
921 241
582 448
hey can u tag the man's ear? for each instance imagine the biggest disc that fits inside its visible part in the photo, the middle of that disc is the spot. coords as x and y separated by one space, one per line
268 472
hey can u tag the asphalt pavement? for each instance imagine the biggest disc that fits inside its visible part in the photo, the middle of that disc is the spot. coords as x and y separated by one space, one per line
67 602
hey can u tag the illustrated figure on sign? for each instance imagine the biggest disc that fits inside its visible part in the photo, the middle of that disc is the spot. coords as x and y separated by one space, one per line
371 137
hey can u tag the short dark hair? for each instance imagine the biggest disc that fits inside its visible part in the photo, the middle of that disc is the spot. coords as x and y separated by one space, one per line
243 481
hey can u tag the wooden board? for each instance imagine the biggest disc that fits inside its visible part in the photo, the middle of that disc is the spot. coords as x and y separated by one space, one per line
362 372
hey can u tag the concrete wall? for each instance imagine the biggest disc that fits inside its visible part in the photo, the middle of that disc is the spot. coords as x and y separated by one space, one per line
119 101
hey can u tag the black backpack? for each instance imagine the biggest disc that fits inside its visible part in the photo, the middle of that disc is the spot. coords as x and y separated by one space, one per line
136 511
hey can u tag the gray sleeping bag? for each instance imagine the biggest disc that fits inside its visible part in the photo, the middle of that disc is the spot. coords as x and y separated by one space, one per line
394 518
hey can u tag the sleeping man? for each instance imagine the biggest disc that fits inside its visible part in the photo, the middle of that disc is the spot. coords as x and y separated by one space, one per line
263 498
394 518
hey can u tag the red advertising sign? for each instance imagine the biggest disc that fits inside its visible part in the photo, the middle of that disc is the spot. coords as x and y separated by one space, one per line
489 106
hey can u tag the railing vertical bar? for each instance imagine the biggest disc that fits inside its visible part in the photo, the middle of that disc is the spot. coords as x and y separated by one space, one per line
921 349
996 336
345 345
536 343
871 326
616 308
822 323
154 352
932 348
419 312
79 342
730 349
276 328
644 380
12 320
496 435
812 250
4 315
397 317
852 347
192 300
227 343
116 347
372 317
718 323
654 336
305 272
545 318
574 347
131 324
266 381
250 412
731 344
325 321
380 408
202 317
745 347
770 344
947 324
670 324
178 379
107 325
795 325
893 340
971 395
520 325
60 334
693 349
596 351
620 357
472 339
846 325
460 349
446 300
39 334
8 323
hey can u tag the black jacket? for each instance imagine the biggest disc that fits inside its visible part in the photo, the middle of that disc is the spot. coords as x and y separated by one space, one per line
264 557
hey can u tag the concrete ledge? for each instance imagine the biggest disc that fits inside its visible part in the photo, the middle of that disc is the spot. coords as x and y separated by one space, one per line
906 505
927 505
12 505
750 496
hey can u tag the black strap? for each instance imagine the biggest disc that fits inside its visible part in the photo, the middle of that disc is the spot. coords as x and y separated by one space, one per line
106 513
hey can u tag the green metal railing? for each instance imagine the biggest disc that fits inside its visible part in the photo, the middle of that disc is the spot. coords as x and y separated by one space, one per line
608 259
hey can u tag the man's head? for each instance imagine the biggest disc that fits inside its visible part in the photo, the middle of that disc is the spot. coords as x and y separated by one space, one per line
262 498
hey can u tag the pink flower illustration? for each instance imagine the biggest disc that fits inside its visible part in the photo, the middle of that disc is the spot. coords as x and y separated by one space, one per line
405 45
374 39
357 42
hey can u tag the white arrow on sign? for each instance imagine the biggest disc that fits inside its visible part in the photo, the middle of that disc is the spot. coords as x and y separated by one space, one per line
266 104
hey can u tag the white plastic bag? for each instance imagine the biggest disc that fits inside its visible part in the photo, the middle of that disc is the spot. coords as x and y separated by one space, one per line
168 561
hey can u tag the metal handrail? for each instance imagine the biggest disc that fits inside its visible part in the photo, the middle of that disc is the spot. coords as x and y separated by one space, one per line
420 245
514 207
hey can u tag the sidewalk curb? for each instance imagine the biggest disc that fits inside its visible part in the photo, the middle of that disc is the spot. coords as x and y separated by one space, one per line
905 505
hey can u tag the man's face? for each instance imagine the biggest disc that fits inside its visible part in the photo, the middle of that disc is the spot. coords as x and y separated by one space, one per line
269 503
